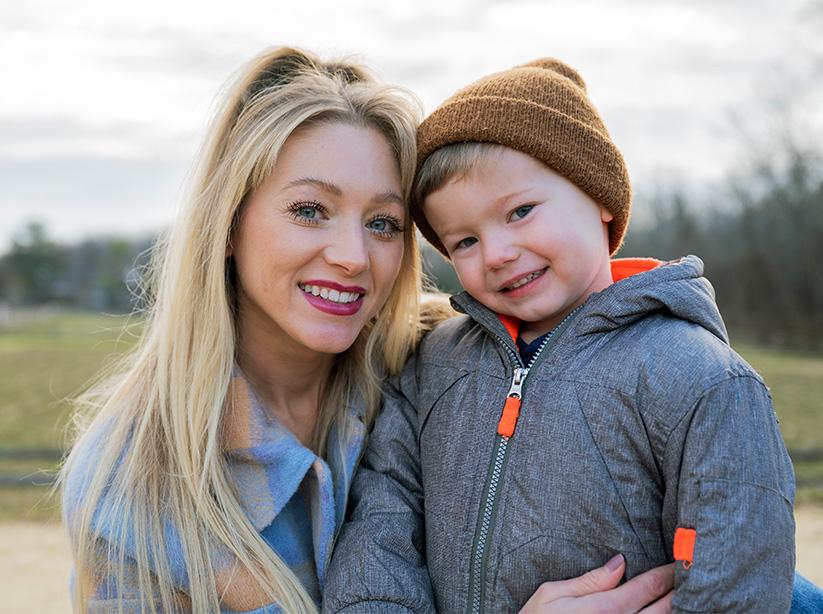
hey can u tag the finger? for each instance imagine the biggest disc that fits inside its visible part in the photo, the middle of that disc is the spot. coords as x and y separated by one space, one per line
640 590
661 606
594 581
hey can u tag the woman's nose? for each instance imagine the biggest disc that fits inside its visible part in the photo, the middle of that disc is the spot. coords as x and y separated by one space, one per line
348 249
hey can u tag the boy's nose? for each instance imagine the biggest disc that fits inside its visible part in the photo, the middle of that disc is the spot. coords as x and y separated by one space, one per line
497 254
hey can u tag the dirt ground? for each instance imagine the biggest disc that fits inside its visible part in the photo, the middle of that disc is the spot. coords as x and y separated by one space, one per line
34 562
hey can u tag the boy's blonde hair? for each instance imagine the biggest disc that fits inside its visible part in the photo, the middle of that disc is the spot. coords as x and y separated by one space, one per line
447 163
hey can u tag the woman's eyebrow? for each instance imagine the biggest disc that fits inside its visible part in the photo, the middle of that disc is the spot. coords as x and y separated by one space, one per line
313 181
389 197
381 199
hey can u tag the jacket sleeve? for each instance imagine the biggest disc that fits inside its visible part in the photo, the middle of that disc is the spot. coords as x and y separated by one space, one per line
735 488
379 560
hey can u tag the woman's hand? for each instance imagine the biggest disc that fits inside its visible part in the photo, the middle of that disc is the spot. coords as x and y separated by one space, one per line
594 591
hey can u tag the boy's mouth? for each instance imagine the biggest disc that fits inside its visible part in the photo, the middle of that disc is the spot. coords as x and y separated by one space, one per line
522 281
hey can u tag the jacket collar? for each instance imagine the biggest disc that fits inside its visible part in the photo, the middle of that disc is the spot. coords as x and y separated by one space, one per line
268 462
505 328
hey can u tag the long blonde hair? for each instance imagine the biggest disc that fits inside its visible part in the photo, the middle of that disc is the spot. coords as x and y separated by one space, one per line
160 463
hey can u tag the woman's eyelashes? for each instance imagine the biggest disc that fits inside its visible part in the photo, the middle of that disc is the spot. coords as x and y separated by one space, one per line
383 225
308 212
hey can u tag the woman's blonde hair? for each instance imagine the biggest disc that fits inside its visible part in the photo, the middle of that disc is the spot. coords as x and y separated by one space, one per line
160 464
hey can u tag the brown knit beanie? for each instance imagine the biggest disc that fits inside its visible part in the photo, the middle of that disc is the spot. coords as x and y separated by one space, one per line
540 108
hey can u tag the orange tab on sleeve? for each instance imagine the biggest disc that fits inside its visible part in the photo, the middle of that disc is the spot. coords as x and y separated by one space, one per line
684 546
511 410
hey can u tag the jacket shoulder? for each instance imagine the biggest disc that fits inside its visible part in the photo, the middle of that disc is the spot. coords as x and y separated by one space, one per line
667 364
451 341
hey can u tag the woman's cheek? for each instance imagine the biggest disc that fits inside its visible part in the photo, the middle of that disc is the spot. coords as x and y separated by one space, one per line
389 261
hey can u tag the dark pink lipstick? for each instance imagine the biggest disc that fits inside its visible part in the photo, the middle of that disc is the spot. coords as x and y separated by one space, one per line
332 307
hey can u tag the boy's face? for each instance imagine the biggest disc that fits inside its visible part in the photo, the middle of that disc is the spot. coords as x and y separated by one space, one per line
525 241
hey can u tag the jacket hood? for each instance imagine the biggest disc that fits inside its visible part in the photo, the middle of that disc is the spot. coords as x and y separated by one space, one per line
642 286
677 288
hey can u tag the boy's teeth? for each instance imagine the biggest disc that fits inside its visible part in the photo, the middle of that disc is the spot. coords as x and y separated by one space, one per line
524 280
329 294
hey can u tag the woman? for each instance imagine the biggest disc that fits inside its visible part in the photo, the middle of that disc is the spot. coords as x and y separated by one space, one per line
214 472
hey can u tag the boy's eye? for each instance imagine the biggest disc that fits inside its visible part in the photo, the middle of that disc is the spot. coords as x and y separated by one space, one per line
521 212
468 241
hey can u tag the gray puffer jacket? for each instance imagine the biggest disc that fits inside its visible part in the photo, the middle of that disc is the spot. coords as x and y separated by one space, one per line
637 418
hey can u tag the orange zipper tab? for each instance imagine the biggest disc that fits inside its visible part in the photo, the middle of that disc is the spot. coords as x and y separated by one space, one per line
684 546
511 409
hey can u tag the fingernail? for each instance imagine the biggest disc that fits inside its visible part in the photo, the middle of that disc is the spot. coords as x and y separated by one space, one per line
615 562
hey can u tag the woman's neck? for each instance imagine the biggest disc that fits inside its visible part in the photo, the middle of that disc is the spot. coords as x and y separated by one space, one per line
289 380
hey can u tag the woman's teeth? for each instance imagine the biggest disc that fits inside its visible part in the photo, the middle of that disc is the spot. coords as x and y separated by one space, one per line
335 296
524 280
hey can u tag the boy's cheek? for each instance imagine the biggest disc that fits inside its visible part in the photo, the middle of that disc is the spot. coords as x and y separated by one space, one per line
465 275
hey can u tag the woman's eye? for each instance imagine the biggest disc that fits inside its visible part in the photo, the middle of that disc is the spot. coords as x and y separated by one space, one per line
467 242
307 212
521 212
385 227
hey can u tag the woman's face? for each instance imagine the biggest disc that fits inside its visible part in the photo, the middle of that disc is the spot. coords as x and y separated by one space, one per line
319 243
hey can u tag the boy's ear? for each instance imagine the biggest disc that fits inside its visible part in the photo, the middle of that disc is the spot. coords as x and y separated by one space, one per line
605 215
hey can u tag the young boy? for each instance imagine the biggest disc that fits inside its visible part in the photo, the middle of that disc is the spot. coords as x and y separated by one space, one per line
580 408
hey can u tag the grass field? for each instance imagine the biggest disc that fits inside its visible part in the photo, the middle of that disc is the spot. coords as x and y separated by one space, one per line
46 362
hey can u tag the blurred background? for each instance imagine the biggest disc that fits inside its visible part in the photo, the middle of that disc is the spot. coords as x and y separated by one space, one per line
717 106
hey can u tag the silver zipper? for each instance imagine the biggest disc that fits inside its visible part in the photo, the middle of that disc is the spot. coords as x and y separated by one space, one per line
477 569
478 562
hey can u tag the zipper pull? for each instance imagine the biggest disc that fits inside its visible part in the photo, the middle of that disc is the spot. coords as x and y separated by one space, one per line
511 410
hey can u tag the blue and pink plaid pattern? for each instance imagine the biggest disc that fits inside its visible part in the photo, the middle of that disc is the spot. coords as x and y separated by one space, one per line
294 498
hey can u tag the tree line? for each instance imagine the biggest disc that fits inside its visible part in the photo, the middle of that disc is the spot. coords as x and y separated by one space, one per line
99 274
761 239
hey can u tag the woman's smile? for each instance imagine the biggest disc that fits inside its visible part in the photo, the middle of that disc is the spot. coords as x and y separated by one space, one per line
331 297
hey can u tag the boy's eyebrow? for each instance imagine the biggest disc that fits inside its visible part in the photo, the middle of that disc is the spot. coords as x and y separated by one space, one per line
507 197
386 197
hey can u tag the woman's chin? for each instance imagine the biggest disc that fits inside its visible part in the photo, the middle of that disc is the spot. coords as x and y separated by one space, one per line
330 340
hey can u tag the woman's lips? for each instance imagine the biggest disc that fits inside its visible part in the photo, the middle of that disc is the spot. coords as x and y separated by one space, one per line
333 298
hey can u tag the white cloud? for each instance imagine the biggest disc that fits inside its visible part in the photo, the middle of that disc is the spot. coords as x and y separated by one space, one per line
87 81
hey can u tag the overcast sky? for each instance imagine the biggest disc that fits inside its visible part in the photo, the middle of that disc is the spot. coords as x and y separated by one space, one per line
105 103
